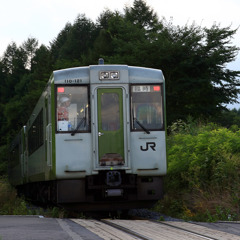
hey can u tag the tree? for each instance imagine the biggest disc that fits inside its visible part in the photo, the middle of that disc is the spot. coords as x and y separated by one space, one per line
229 118
81 38
58 42
74 42
13 60
219 52
102 45
103 19
30 47
198 82
41 63
142 15
119 40
3 82
13 66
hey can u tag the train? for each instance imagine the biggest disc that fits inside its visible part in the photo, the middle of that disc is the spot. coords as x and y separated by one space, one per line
95 141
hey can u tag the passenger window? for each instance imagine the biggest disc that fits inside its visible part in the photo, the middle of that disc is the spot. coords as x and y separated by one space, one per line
146 107
72 111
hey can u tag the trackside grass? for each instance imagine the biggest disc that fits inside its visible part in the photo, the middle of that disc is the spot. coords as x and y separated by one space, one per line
11 204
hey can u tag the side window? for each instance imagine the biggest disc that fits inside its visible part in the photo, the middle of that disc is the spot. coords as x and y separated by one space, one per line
35 134
14 155
72 113
146 107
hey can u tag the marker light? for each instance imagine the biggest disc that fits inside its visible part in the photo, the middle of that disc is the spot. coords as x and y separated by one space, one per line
156 88
60 90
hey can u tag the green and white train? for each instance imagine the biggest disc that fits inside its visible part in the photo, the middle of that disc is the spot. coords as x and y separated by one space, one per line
95 140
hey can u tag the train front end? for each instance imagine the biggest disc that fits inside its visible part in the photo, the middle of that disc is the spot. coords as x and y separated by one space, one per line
109 136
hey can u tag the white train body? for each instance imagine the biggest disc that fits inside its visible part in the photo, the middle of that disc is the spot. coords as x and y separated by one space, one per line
95 140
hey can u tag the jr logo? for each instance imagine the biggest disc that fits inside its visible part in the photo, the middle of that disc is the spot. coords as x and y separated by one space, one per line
152 145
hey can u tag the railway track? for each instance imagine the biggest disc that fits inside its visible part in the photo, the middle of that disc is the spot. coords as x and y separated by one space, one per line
151 230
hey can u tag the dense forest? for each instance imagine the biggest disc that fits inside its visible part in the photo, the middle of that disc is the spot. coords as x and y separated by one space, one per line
193 59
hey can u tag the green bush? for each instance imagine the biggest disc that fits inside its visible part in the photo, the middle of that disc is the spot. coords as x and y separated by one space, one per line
203 171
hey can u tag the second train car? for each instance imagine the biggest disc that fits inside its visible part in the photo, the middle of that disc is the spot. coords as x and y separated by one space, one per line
95 140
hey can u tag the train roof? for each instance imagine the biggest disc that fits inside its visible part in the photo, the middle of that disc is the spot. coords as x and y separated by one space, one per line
87 74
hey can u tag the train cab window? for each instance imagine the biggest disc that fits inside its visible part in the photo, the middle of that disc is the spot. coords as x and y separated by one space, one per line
146 108
72 111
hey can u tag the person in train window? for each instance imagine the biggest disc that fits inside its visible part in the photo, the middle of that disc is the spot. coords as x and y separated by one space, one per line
63 109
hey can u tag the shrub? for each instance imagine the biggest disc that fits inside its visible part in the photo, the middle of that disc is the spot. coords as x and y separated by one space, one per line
204 170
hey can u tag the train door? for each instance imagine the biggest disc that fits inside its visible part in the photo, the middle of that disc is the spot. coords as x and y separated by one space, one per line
110 127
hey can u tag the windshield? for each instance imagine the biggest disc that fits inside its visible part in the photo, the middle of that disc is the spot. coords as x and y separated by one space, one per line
146 108
72 112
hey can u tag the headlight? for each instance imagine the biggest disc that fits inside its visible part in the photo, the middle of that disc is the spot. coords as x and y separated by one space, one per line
109 75
104 75
114 75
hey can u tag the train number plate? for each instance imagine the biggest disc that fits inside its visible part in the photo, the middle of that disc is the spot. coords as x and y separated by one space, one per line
141 89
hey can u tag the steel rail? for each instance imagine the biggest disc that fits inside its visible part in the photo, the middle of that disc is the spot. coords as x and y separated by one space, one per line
185 230
126 230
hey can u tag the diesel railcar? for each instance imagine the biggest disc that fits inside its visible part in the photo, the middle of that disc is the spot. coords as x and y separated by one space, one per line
95 140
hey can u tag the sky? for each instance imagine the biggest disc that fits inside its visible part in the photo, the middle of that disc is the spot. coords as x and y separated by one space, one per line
44 19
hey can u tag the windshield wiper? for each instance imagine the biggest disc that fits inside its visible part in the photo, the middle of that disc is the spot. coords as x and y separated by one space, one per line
83 120
145 130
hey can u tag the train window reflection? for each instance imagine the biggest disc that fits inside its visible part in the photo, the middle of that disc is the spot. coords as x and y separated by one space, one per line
146 107
72 109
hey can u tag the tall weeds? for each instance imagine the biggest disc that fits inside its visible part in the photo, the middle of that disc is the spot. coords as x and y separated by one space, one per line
11 204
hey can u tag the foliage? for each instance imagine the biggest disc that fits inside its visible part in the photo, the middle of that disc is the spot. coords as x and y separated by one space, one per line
11 204
3 157
205 159
229 119
203 172
73 42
